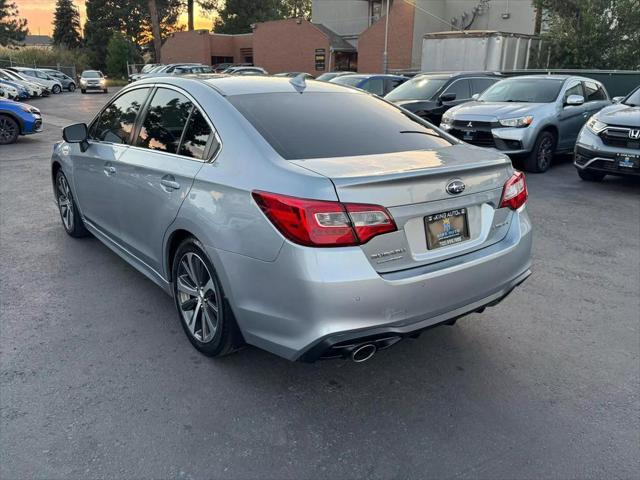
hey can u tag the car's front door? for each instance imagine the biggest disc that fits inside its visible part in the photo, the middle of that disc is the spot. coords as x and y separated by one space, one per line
95 169
462 90
570 117
158 171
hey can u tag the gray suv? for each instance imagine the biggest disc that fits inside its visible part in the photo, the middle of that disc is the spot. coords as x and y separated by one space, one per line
609 143
533 116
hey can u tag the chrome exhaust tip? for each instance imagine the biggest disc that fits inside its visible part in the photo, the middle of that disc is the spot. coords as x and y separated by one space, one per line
362 353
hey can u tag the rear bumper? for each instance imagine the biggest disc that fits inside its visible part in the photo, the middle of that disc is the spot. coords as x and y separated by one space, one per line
309 297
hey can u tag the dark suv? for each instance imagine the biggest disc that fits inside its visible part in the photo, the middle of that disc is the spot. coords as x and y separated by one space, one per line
429 95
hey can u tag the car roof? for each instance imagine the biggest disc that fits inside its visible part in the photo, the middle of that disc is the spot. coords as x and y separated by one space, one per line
546 77
228 85
459 74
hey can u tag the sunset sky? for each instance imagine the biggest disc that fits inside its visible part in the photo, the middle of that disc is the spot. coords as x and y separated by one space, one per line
39 15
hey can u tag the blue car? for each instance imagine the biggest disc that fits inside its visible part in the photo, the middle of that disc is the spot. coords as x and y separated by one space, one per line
22 91
18 119
378 84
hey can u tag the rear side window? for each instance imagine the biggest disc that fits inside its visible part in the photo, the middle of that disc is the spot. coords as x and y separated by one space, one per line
164 122
318 125
593 92
196 136
460 88
479 85
117 120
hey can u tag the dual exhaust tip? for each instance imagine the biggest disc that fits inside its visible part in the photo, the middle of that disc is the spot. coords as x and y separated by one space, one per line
363 352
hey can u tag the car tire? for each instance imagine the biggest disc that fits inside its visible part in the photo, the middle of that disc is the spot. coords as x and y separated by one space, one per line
203 311
540 158
9 130
82 90
591 176
56 89
69 214
71 87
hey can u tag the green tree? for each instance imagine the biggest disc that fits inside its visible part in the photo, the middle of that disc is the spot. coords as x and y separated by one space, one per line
66 25
132 18
602 34
13 29
237 16
120 51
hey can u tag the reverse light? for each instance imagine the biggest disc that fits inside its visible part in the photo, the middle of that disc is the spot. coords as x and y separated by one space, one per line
514 192
320 223
518 122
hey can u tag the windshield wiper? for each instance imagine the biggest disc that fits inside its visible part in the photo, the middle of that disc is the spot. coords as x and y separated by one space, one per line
429 132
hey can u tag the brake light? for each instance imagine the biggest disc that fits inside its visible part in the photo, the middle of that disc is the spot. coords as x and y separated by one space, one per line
514 193
319 223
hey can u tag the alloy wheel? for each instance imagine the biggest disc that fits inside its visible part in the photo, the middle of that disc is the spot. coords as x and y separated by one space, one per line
197 297
8 130
65 203
545 153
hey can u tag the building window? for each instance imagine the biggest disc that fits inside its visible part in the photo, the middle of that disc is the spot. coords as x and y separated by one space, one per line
217 60
320 59
247 55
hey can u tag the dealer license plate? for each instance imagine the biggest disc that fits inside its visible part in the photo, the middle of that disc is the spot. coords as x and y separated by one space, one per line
446 228
628 160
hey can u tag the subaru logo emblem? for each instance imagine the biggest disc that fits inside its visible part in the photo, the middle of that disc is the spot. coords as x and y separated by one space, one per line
634 134
470 125
454 187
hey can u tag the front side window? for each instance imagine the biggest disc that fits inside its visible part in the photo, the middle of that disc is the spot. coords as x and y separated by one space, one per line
418 88
323 125
460 88
164 122
633 100
116 122
375 86
574 90
479 85
593 92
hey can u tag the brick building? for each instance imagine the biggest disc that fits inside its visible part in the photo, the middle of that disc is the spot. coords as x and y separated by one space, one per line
349 35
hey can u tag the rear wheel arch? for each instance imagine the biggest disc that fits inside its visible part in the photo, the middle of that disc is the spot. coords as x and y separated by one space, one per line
175 239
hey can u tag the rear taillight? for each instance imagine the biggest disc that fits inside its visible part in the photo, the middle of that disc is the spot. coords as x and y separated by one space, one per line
319 223
514 193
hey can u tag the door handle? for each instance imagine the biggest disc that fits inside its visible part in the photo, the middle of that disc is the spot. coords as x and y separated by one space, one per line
170 183
109 169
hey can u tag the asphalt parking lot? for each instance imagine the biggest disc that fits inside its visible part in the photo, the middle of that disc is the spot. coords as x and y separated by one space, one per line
98 380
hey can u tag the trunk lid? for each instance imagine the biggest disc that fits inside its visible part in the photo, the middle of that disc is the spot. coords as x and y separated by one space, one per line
412 185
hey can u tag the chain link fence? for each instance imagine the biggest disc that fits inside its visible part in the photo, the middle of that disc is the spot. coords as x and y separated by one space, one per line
69 70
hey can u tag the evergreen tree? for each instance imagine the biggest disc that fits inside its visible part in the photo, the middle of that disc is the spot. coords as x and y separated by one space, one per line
13 29
66 25
237 16
120 51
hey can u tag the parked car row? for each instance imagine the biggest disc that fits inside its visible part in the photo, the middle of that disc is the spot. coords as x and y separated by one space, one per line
20 83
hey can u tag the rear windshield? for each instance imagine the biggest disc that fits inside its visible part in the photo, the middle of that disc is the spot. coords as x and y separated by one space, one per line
528 90
419 88
323 125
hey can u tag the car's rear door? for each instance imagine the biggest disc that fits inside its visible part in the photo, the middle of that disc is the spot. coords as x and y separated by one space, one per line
173 139
96 169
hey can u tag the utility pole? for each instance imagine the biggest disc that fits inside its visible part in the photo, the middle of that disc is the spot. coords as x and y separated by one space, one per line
385 55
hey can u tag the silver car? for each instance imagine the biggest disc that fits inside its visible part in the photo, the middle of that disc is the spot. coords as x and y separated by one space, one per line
308 219
533 117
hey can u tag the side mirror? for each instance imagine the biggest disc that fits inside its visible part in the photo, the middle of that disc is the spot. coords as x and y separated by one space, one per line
475 96
617 99
447 97
76 133
574 100
105 76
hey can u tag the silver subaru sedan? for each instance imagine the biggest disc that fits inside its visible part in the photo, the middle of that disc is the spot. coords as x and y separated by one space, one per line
306 218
